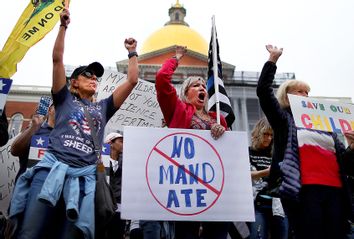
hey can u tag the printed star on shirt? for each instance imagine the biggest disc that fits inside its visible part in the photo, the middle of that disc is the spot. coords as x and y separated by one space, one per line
40 141
104 148
1 85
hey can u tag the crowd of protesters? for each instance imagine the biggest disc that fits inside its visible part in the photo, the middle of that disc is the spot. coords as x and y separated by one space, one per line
300 177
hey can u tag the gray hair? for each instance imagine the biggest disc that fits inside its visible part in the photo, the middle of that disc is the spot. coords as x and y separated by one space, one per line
185 86
285 87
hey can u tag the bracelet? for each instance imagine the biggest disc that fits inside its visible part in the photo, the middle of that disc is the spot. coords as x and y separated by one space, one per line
63 26
133 53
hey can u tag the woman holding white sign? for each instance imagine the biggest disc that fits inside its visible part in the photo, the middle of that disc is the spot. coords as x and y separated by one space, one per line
60 190
189 111
307 169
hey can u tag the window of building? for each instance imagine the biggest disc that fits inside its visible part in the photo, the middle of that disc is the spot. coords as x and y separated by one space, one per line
15 124
254 112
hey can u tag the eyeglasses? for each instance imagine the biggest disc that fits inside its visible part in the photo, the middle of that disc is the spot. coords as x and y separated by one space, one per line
268 135
87 74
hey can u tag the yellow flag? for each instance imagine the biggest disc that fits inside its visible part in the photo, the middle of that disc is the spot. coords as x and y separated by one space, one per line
39 18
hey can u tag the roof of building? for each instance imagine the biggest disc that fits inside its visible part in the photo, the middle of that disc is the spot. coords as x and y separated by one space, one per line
175 32
171 35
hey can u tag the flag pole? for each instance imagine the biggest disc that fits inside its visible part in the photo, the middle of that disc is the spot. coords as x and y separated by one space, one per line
215 70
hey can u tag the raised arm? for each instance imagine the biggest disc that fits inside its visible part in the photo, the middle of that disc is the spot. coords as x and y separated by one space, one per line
166 92
123 91
265 92
22 143
274 53
59 78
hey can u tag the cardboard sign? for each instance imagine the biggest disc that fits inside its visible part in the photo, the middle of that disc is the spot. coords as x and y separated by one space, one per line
184 174
139 109
9 166
320 114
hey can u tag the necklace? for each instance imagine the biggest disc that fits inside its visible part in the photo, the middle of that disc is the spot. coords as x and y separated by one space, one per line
202 115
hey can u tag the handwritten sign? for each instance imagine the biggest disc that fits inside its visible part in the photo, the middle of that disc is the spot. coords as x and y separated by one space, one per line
324 115
186 175
9 166
139 109
196 171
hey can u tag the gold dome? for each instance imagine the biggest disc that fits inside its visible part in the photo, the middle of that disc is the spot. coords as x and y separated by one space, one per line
175 34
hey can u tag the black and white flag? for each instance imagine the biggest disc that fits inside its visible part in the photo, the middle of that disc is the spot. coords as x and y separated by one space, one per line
218 99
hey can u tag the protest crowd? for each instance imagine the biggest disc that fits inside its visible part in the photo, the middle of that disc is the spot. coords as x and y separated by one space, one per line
300 178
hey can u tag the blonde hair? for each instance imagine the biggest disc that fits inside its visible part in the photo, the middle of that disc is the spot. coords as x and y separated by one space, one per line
72 89
259 129
285 87
185 86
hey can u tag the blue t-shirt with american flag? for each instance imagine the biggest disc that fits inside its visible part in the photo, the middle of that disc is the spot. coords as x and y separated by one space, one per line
70 140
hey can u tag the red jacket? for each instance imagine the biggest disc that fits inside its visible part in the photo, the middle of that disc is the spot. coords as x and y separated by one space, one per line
177 114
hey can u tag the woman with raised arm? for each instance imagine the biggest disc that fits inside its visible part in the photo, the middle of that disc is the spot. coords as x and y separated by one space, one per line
307 165
189 111
56 197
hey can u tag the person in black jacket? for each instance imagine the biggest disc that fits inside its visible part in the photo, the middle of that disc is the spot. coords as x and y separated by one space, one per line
4 134
308 170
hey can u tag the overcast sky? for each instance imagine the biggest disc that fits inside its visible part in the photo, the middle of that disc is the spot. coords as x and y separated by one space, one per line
317 36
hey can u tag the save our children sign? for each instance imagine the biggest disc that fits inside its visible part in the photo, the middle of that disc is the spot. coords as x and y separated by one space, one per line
320 114
181 174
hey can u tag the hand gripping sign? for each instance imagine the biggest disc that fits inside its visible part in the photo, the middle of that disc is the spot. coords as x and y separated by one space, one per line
182 174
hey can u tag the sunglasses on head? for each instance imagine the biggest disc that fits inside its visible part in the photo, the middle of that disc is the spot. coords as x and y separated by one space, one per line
87 74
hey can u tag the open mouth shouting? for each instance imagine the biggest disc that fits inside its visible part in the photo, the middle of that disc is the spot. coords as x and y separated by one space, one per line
201 96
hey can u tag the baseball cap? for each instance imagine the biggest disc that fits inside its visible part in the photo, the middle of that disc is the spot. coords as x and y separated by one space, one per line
94 67
112 136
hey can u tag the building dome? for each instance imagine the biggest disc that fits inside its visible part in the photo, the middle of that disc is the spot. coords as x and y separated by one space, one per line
175 32
171 35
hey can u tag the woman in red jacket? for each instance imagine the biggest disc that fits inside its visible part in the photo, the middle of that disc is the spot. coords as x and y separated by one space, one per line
189 111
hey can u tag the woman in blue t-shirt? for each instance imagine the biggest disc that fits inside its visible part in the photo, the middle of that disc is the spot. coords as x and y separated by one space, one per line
57 195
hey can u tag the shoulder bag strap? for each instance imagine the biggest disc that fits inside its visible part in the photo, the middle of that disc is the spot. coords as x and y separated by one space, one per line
93 133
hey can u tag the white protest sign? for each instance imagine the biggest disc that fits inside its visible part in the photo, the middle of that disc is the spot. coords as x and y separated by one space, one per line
139 109
320 114
9 166
183 174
